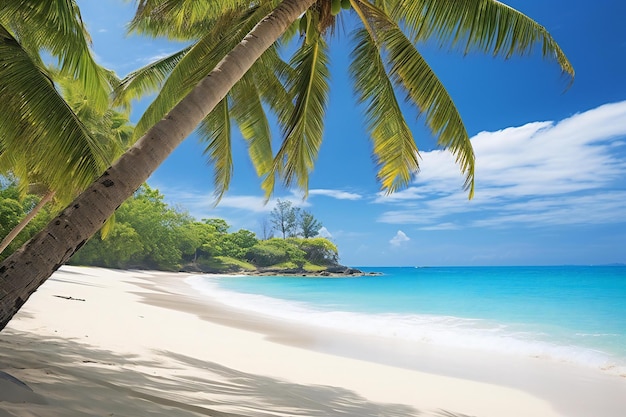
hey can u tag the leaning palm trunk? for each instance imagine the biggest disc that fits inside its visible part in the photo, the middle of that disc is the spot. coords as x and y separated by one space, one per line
31 215
29 267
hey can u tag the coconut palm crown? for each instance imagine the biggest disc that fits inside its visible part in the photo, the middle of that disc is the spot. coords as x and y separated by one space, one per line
386 68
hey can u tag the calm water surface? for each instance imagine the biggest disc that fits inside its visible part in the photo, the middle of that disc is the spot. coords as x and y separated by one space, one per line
572 313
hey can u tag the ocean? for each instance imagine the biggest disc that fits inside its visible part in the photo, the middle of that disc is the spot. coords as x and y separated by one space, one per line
572 314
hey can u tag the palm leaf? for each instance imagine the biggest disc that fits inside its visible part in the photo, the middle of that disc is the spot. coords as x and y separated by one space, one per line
486 25
261 85
200 59
394 148
304 126
215 131
57 26
410 71
63 145
181 19
270 74
148 79
248 112
187 68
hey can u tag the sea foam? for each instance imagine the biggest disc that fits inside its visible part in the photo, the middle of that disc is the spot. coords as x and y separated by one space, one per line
438 330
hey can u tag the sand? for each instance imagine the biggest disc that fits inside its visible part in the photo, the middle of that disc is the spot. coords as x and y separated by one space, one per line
98 342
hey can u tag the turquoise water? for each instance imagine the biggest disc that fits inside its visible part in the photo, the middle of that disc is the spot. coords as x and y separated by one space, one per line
570 314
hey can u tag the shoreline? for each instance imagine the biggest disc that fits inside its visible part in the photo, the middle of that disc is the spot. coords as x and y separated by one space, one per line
337 271
543 378
144 342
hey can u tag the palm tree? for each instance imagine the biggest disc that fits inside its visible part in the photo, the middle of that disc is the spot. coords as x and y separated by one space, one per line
35 116
485 24
42 140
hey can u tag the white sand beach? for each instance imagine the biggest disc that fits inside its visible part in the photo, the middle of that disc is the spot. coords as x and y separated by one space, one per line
98 342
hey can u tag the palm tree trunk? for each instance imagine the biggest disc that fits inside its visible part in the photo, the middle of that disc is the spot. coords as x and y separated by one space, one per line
30 266
31 215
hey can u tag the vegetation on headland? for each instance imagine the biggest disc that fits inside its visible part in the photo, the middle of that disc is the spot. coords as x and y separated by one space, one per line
150 234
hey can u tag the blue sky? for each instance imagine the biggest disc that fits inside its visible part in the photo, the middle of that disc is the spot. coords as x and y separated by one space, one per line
551 160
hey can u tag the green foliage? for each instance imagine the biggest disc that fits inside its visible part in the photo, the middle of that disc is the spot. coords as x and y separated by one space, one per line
212 31
150 234
309 225
226 264
266 253
236 244
309 267
219 225
147 234
319 251
156 223
116 251
42 134
303 127
13 207
47 161
276 251
10 213
291 221
386 67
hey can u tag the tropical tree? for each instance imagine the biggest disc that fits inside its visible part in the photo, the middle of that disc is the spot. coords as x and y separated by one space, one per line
284 218
40 134
219 225
148 233
309 225
320 251
19 226
14 208
276 251
389 30
267 230
10 209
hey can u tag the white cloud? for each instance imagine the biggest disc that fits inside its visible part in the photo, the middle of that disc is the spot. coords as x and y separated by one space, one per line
399 238
325 233
153 58
542 173
408 194
338 194
201 203
442 226
246 202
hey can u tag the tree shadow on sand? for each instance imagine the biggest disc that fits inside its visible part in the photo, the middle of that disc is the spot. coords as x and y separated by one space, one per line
77 379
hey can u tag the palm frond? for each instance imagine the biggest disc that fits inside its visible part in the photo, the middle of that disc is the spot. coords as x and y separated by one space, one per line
394 148
270 74
180 19
196 64
304 126
486 25
215 131
63 145
410 71
57 26
248 112
147 79
246 99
